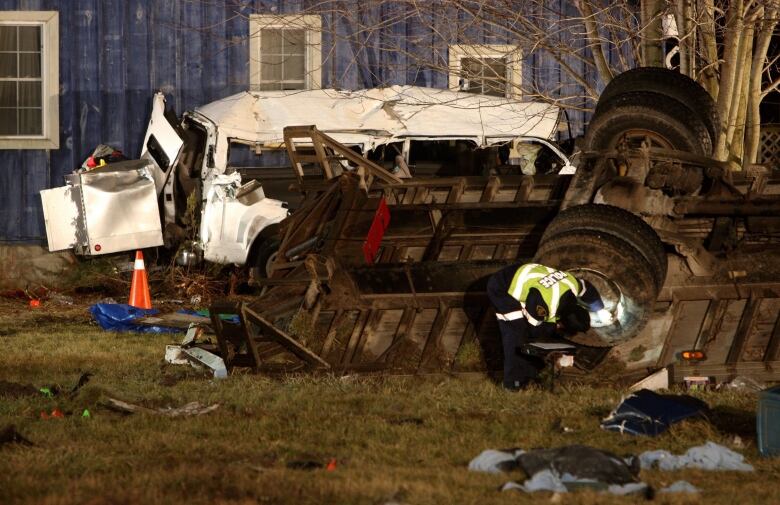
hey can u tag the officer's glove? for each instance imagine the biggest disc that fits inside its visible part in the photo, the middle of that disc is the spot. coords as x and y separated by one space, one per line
605 316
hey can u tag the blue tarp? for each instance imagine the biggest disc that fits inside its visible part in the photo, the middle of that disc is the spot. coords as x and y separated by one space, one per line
648 413
121 317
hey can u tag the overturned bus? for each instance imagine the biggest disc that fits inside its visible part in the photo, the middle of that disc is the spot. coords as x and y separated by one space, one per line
375 272
215 184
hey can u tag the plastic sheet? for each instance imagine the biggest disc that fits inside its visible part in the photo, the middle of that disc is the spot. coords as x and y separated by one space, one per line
121 317
709 456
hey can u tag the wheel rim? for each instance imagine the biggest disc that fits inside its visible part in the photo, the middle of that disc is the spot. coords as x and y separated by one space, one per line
636 137
615 301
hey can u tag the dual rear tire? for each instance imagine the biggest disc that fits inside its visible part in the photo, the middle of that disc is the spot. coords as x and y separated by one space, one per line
660 107
615 251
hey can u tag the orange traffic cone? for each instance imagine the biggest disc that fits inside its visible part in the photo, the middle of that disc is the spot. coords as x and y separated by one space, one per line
139 289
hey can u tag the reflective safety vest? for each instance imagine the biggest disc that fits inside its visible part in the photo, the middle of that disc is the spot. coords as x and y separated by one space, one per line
552 285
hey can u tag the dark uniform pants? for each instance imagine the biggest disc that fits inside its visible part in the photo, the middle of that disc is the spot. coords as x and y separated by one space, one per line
519 368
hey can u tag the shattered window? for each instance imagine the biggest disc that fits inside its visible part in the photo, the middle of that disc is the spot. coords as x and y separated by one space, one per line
282 59
21 81
486 76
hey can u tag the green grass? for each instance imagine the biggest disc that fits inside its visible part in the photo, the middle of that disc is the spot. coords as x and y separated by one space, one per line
395 439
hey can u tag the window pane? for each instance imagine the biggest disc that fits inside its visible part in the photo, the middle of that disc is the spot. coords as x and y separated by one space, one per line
294 68
471 68
30 94
7 121
495 69
30 38
30 122
485 75
476 86
271 67
293 42
8 65
7 94
30 65
270 42
8 38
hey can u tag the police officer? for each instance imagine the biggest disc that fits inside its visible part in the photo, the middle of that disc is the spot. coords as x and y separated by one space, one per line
532 302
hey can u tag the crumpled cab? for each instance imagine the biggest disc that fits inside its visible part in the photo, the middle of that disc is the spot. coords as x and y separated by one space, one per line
173 195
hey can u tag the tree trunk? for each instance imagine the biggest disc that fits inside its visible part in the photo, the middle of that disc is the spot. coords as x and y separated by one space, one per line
753 128
728 74
596 47
736 129
709 48
652 33
683 15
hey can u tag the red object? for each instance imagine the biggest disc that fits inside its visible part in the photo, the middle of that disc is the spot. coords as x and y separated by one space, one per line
376 232
91 162
98 248
139 288
34 304
55 414
331 465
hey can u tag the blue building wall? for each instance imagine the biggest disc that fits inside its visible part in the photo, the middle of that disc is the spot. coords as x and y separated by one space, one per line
115 53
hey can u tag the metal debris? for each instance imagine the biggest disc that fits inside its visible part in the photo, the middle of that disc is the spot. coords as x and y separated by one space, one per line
203 357
189 409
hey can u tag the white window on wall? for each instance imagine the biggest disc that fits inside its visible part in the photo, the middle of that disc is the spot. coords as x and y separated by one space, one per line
29 80
285 52
486 69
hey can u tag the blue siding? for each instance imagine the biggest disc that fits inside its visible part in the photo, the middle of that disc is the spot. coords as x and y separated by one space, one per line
114 54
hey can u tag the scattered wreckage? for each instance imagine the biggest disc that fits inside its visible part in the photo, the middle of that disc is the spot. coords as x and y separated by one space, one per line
374 272
383 262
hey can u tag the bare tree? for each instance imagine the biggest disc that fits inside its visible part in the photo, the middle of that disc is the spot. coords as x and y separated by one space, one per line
563 52
725 46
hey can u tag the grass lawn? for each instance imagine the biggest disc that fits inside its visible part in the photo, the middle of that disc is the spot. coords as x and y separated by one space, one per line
394 439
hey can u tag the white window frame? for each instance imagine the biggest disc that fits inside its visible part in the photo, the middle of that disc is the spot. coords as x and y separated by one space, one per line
511 53
50 73
312 25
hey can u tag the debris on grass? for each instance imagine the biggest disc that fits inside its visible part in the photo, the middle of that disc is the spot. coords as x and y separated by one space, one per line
709 456
55 414
190 409
741 383
680 486
123 317
174 354
647 413
574 467
547 480
196 351
495 461
653 382
202 357
565 469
